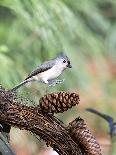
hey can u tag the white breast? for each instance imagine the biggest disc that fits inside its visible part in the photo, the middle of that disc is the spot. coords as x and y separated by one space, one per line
52 73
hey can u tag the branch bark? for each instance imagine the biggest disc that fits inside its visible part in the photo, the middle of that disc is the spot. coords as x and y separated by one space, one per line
34 119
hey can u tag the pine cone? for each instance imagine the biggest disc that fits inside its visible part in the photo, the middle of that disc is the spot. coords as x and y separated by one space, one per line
83 137
58 102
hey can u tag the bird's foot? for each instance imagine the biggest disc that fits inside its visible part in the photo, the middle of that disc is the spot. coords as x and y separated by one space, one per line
52 83
60 81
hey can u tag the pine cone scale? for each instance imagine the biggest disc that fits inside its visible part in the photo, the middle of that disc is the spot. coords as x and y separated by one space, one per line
58 102
83 136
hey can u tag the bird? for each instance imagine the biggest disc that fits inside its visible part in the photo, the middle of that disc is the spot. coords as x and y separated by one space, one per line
109 119
48 71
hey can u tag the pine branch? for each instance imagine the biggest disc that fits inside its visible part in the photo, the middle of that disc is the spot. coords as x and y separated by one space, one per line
45 125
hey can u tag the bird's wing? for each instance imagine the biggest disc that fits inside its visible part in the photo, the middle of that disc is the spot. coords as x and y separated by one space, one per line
43 67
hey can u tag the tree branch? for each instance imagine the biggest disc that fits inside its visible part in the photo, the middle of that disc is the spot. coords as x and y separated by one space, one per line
38 121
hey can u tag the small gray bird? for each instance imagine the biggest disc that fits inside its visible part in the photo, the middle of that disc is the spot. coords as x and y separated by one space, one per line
48 71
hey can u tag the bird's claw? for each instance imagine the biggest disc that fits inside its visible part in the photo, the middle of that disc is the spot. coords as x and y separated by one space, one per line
60 81
54 82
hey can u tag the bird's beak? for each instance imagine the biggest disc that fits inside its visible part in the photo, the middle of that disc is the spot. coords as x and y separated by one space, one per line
69 66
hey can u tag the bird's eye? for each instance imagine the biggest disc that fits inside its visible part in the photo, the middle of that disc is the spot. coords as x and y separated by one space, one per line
64 61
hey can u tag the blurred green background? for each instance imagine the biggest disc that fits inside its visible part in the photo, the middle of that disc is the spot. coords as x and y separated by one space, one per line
32 31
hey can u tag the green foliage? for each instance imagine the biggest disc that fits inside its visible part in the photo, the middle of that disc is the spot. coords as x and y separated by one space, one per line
32 31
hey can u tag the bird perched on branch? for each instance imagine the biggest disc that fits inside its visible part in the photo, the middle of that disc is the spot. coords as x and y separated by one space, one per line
109 119
48 71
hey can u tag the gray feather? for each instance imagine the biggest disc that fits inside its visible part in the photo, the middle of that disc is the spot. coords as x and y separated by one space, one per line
21 84
43 67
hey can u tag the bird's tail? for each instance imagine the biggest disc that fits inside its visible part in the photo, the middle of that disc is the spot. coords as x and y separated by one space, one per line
21 84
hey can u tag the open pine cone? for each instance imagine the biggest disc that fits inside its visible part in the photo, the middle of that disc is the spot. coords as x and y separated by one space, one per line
58 102
83 137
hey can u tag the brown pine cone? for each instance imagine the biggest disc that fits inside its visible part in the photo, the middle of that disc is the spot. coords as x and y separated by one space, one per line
83 137
58 102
